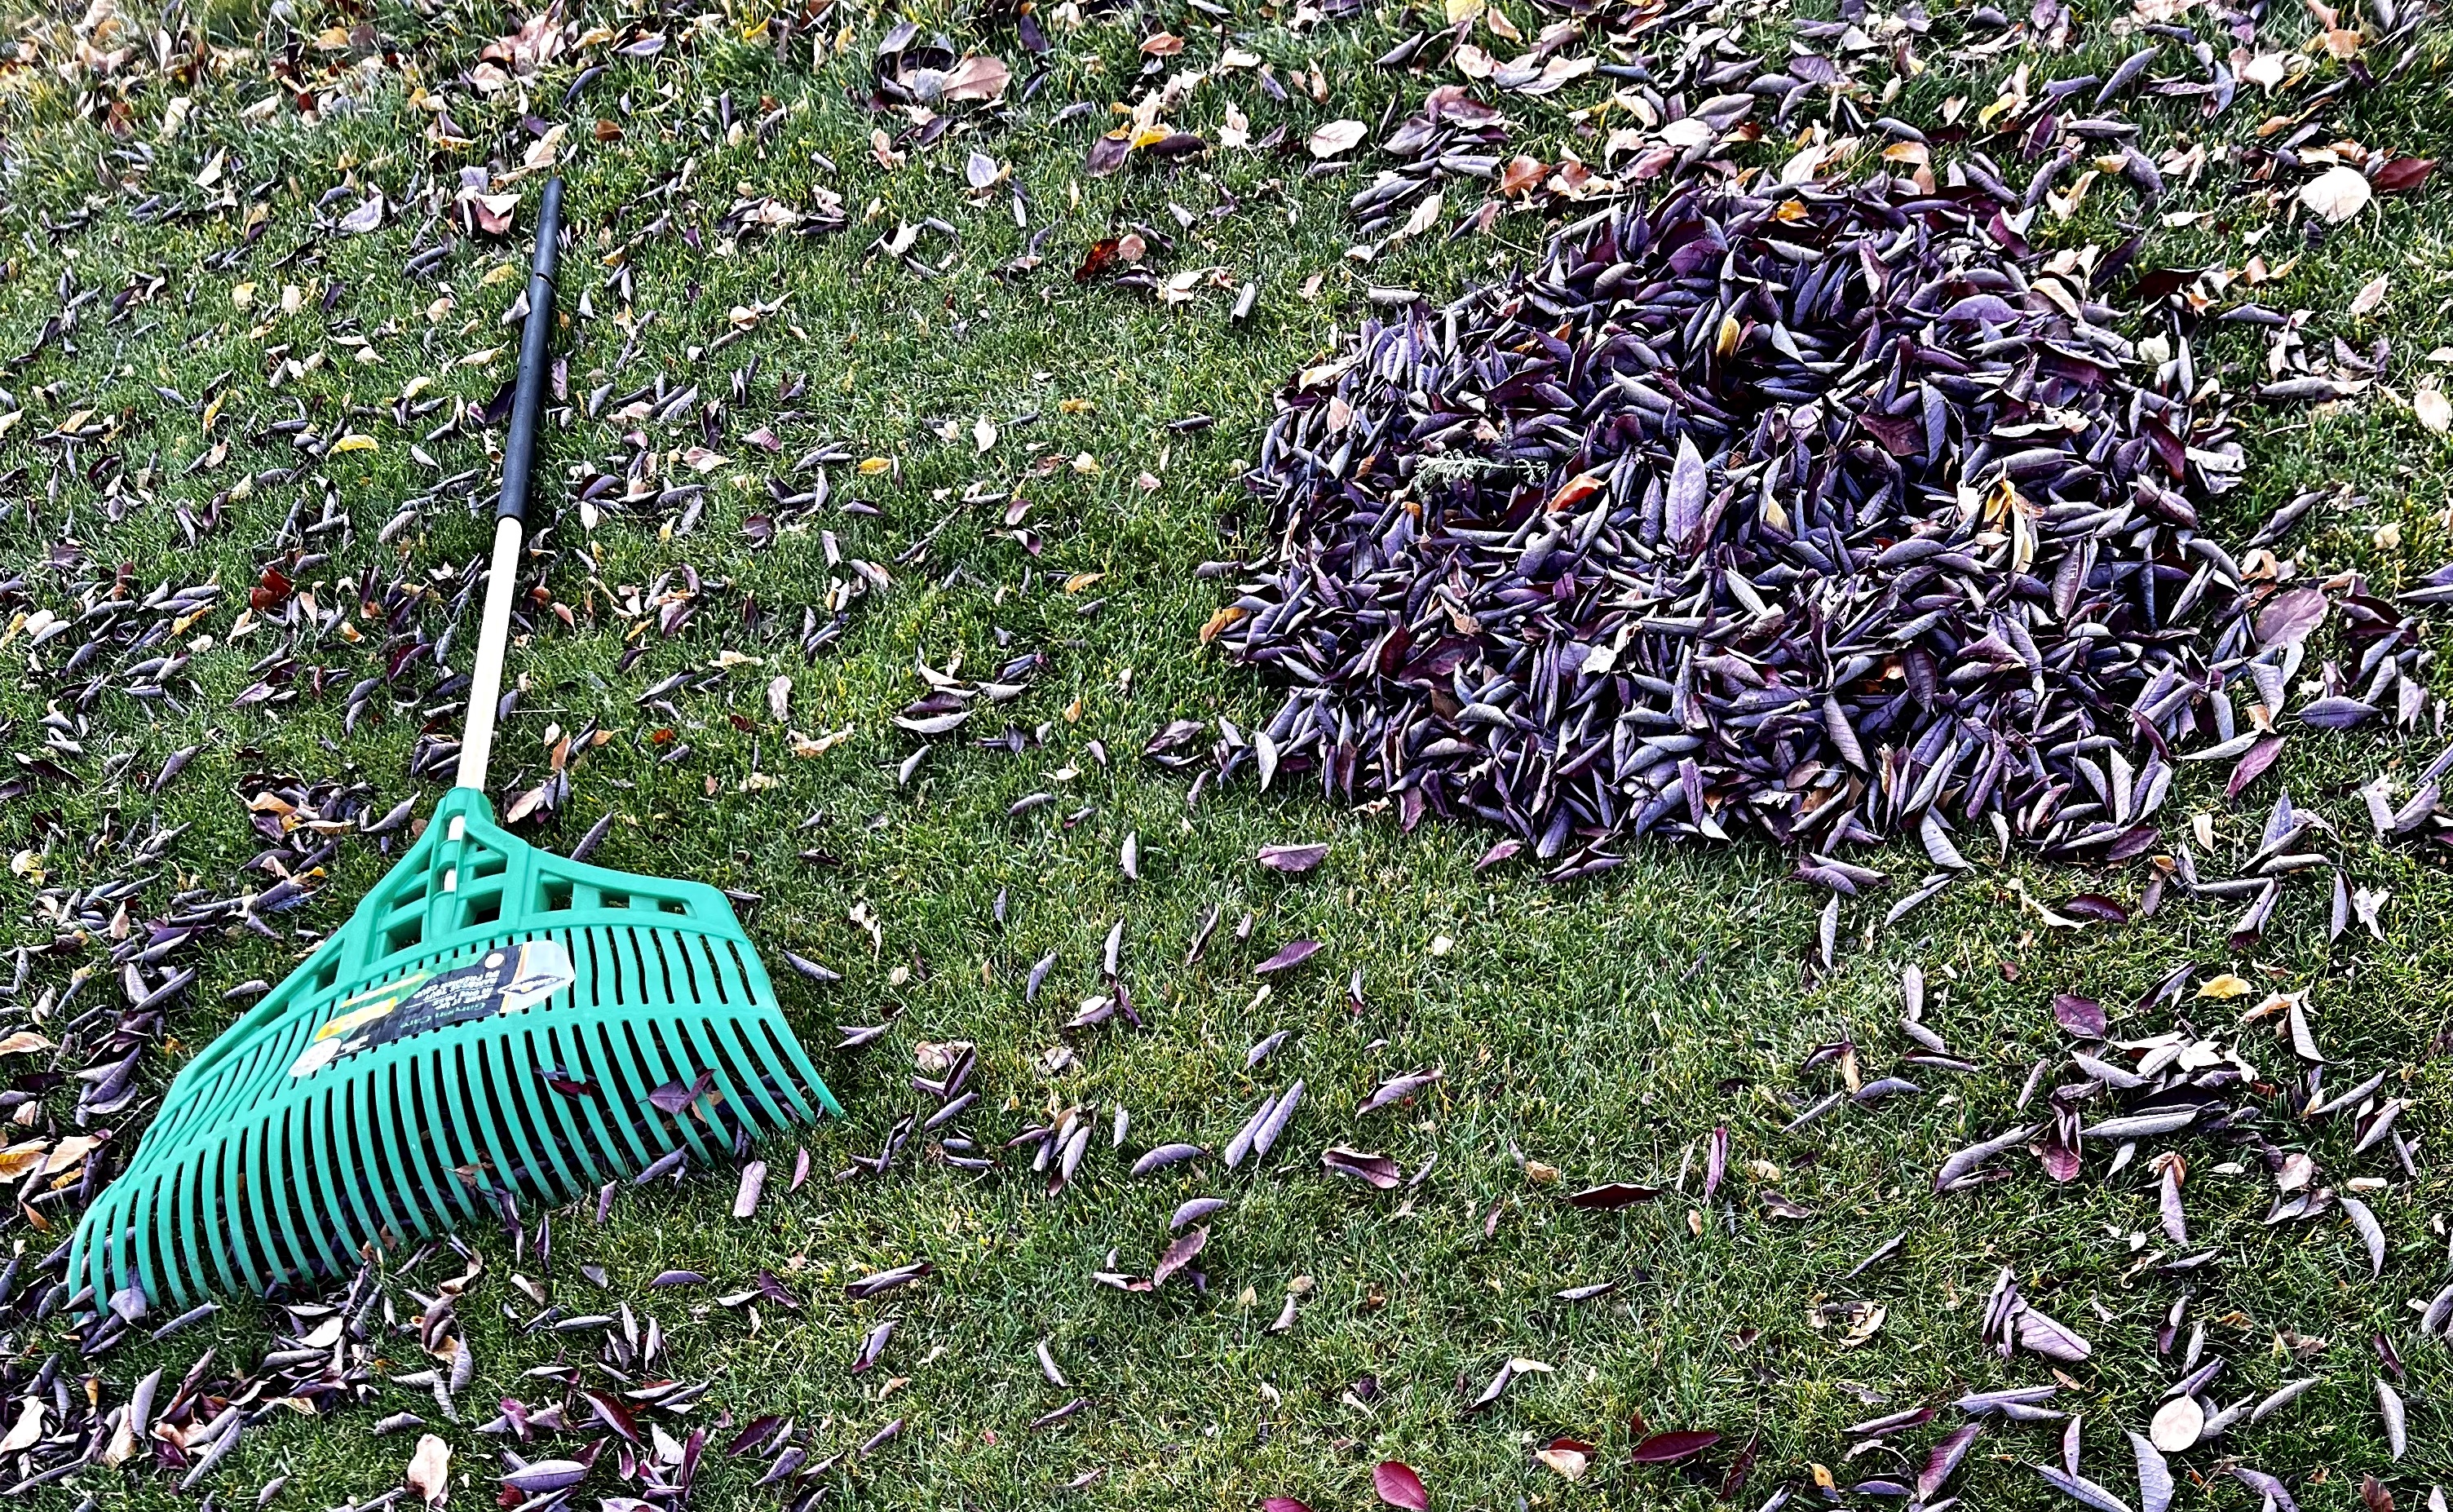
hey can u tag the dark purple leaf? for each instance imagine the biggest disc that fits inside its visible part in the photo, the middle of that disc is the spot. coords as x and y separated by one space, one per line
1668 1448
1613 1195
1287 958
2082 1017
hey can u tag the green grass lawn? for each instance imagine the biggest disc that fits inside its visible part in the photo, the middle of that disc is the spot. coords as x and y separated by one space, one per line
1588 1034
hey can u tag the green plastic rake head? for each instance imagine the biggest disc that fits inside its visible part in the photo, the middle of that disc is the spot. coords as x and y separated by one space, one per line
488 1022
484 1030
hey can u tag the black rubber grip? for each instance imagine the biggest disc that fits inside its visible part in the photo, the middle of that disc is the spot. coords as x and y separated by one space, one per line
536 343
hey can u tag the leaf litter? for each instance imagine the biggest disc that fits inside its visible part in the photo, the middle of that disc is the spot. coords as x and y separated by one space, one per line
1784 743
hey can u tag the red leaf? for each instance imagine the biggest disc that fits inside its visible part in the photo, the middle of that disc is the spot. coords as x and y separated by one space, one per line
270 590
1102 256
1398 1485
1612 1195
2402 174
1668 1448
1740 1468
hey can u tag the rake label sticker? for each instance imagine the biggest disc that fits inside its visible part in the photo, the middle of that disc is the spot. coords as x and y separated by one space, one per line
505 980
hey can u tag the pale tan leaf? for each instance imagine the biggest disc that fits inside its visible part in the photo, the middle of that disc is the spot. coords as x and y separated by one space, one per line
1336 138
429 1470
2338 193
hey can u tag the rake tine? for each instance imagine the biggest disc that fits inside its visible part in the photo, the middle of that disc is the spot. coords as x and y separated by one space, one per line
369 1195
619 1088
443 1192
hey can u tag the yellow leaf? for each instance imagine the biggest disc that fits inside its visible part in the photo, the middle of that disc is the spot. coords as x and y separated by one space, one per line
18 1158
1227 616
354 443
871 467
2226 985
23 1042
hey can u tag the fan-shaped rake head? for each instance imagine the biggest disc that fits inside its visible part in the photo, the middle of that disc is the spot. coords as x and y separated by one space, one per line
486 1029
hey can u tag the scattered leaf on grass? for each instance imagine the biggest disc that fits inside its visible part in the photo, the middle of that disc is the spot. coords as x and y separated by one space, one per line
1668 1448
1397 1485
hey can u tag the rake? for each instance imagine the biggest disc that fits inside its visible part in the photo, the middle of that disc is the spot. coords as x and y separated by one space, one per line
487 1029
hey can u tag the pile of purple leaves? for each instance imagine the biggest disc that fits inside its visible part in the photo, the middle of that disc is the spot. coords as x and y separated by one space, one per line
1829 513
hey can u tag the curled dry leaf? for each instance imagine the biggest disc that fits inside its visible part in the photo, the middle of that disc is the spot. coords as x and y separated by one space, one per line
1179 1254
2082 1490
2397 1432
2154 1475
1364 1165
